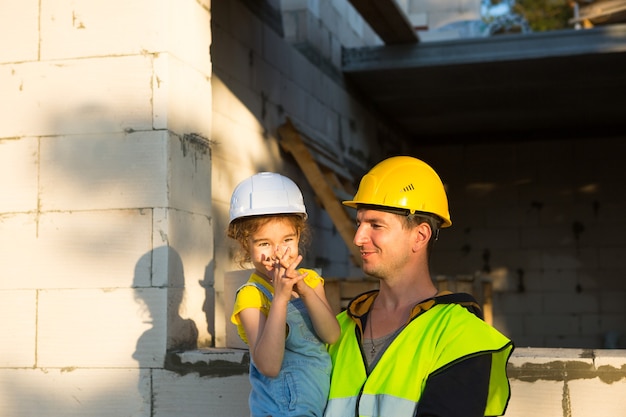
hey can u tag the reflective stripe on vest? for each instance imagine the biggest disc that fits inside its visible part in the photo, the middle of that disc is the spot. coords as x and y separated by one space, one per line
377 405
443 335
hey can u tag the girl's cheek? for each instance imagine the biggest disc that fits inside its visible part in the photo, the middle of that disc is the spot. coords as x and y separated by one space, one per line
293 250
262 255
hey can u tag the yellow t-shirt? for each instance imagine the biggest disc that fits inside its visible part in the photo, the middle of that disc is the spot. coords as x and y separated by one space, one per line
252 297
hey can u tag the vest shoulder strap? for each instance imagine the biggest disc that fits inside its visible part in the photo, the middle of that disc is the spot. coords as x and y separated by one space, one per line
466 300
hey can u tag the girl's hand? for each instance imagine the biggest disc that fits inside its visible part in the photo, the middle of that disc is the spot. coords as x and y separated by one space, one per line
285 277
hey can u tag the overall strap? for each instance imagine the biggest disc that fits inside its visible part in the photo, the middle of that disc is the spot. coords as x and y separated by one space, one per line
258 286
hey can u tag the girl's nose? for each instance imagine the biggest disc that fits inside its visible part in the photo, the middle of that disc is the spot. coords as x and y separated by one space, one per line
280 251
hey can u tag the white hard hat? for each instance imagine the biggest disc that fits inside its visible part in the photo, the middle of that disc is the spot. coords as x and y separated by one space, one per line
266 193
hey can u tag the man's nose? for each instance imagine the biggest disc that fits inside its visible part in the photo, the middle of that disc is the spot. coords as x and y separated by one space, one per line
359 236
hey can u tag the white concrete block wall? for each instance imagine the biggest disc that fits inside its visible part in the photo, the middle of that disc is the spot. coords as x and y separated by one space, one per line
106 234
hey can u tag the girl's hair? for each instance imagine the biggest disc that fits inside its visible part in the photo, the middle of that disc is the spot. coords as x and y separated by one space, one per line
242 228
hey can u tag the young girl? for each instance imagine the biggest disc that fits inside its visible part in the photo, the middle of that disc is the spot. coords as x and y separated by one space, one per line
281 312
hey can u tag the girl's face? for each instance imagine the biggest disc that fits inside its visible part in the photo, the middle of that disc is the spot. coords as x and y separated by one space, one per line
272 241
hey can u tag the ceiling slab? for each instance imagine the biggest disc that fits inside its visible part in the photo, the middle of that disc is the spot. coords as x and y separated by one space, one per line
386 19
544 85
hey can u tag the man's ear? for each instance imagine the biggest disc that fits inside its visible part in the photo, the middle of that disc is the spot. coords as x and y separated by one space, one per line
421 235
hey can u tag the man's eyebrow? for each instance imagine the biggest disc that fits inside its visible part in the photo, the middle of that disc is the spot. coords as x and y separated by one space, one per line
372 218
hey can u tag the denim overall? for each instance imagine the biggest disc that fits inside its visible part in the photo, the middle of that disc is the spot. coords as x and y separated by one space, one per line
301 388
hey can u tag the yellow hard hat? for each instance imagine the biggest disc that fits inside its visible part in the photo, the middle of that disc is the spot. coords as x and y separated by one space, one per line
404 182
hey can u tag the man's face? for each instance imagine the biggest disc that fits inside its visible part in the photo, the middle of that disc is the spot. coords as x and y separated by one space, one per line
385 245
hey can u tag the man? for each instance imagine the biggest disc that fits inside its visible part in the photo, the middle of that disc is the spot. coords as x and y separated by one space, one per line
406 350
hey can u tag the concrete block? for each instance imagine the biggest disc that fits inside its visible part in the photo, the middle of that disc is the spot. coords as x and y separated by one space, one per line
546 237
18 173
294 24
605 234
229 170
573 340
542 356
550 281
504 216
595 397
614 358
18 242
17 341
189 174
541 398
19 20
268 81
239 65
75 250
294 99
277 52
248 29
189 35
509 325
563 260
75 392
105 171
572 303
331 18
305 75
182 95
611 258
110 94
505 238
478 165
526 340
510 303
100 28
241 143
557 325
184 262
192 395
101 328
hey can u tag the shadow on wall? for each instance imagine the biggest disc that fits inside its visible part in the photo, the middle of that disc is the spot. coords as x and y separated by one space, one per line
162 301
161 296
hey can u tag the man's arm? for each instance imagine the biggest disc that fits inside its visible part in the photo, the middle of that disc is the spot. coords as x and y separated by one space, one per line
459 391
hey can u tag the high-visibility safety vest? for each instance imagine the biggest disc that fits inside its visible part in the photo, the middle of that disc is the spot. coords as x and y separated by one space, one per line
440 333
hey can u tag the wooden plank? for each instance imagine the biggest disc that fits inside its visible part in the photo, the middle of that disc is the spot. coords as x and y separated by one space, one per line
291 141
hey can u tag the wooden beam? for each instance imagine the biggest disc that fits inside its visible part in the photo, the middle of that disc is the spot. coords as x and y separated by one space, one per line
291 141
